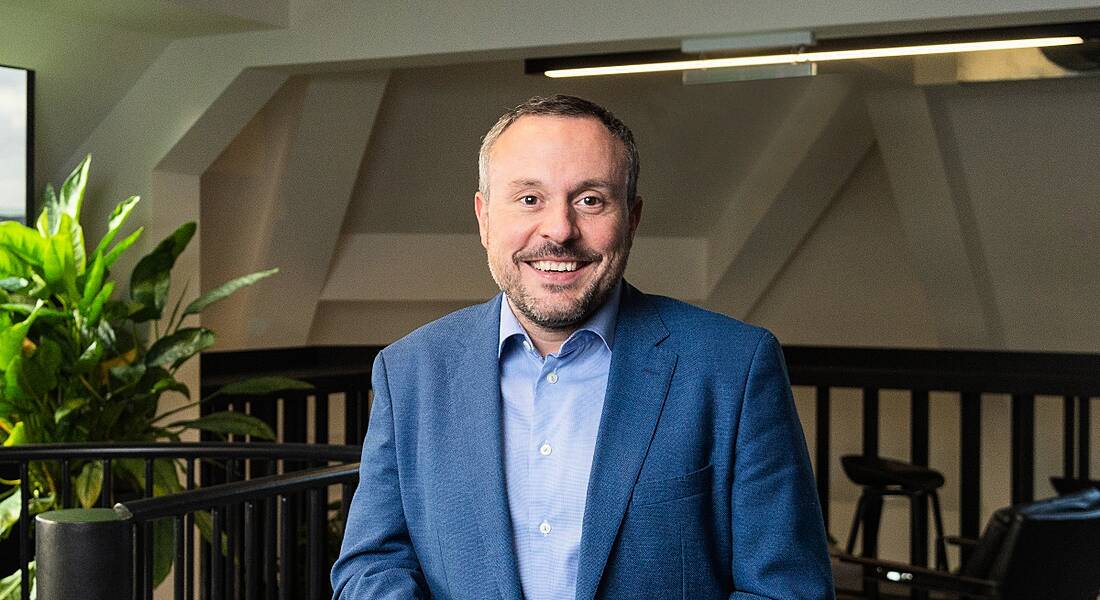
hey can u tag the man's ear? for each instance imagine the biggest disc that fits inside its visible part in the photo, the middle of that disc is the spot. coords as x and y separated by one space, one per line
635 215
481 211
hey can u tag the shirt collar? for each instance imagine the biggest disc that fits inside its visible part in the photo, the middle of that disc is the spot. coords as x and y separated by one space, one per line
602 322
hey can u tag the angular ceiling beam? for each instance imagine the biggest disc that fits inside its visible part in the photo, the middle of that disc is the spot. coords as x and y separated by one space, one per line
936 216
302 221
794 180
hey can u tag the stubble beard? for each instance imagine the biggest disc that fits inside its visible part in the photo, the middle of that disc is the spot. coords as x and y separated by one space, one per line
576 311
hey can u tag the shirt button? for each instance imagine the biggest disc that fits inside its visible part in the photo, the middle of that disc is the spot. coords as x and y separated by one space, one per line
545 449
544 528
552 377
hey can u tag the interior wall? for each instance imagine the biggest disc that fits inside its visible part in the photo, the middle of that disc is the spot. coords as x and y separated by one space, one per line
80 68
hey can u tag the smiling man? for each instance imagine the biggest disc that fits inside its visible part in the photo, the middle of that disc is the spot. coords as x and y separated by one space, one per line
574 437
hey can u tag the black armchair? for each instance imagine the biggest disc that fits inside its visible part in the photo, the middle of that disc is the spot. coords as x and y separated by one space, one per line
1049 550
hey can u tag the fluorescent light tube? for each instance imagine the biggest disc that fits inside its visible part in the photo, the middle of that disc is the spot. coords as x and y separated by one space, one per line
822 56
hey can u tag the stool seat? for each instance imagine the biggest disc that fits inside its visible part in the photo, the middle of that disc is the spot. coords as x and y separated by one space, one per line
882 472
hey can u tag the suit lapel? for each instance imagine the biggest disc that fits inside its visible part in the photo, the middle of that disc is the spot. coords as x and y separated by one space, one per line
636 389
475 392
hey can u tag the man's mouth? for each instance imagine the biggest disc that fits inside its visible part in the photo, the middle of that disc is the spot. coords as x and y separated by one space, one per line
556 266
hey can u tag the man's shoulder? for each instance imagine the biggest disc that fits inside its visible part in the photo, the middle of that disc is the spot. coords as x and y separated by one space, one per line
692 326
453 328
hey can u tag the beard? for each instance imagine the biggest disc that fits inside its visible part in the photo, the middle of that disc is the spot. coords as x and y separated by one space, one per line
567 312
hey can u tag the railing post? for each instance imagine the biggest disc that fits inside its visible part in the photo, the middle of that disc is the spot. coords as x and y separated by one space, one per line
83 553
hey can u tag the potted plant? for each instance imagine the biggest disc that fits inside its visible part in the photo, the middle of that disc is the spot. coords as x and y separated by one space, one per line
82 362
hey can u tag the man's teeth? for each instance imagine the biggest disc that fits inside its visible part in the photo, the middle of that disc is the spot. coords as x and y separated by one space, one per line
548 265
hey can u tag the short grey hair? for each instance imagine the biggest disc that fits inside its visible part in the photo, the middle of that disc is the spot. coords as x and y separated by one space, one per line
562 106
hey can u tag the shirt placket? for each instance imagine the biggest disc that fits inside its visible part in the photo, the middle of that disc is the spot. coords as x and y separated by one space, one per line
541 450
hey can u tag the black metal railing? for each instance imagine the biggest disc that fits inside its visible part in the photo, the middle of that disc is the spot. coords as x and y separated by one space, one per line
263 536
1070 379
340 376
231 462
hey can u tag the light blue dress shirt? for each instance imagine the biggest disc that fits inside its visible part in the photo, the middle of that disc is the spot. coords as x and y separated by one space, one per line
552 409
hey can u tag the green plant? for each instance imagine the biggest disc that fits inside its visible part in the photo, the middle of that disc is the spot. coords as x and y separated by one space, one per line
81 363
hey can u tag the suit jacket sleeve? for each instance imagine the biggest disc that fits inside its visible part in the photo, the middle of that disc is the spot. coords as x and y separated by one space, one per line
779 541
377 559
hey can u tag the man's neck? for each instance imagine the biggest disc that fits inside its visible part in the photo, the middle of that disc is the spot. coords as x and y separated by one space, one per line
546 341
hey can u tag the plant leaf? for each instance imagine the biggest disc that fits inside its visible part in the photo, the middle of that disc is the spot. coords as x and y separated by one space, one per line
70 405
123 246
9 513
71 197
96 309
261 386
176 348
225 290
152 276
114 223
17 437
227 422
94 282
23 242
89 483
11 339
59 263
11 586
41 370
13 284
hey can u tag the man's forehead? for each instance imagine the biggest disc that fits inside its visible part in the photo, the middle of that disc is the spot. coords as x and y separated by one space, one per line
520 144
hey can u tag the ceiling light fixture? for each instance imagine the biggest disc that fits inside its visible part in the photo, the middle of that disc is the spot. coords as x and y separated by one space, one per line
800 48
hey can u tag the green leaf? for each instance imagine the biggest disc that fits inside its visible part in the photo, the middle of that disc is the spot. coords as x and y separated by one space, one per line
176 348
70 405
71 197
261 386
13 388
11 339
115 222
152 276
11 265
59 263
96 309
23 242
227 422
9 512
13 284
94 282
17 437
89 483
11 586
225 290
41 370
123 246
164 549
89 358
129 374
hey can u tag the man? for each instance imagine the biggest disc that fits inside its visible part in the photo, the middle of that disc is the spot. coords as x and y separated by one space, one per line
574 437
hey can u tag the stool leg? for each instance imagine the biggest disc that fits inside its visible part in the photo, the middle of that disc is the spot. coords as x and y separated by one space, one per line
941 545
918 537
872 515
855 525
918 529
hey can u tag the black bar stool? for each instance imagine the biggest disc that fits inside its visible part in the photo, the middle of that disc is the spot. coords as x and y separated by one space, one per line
882 477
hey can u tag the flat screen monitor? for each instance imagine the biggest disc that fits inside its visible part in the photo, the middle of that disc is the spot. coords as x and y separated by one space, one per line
16 157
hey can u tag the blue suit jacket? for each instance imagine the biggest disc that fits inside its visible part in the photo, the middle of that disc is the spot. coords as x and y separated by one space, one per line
700 487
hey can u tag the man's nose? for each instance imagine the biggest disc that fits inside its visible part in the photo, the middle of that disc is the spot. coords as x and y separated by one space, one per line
559 223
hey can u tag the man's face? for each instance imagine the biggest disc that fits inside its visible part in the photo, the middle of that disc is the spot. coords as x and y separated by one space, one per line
555 225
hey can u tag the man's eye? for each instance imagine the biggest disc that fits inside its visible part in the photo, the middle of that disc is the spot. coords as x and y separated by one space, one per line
528 200
591 201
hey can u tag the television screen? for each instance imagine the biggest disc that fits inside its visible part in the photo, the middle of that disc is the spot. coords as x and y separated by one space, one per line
15 143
